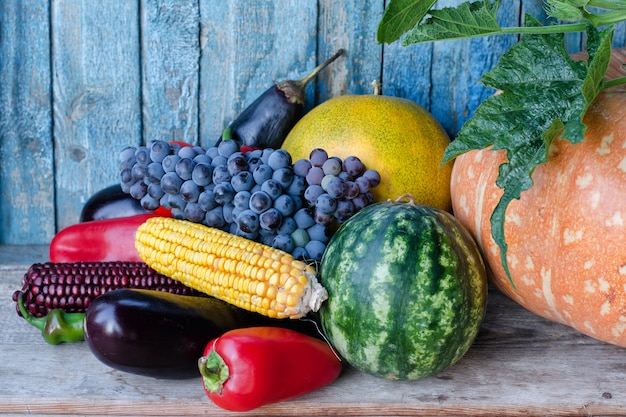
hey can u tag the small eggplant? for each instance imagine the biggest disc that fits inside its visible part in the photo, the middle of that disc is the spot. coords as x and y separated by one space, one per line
110 202
266 122
162 335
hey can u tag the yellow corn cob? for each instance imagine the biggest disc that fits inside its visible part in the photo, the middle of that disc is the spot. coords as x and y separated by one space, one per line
234 269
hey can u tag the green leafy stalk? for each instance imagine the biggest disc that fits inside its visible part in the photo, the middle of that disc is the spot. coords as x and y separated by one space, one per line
544 92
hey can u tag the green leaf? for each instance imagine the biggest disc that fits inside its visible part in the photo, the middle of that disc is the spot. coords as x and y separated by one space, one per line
467 20
400 16
544 93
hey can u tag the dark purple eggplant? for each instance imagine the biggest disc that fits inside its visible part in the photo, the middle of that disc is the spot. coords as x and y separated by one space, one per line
266 122
110 202
162 335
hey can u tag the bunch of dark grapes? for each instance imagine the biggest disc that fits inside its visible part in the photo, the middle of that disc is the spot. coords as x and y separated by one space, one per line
260 194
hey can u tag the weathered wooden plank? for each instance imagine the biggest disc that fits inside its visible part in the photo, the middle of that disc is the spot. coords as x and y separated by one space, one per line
96 93
520 365
245 47
352 27
26 147
169 58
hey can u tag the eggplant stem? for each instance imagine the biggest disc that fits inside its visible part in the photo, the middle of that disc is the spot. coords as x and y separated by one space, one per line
302 83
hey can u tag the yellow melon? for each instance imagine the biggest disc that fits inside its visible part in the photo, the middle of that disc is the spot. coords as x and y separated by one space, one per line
395 136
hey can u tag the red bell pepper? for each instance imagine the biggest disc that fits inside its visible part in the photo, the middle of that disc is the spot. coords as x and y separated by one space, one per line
246 368
98 240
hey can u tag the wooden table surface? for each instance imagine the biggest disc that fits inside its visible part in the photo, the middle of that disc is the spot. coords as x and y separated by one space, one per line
520 365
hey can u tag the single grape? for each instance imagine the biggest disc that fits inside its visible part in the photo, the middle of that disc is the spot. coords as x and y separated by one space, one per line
332 166
315 249
283 242
285 205
283 176
149 203
171 182
126 178
212 152
287 226
219 160
270 219
301 167
190 191
272 188
319 232
202 174
159 149
154 172
260 201
227 147
242 199
202 159
187 152
325 204
278 159
360 201
138 172
317 157
253 162
322 218
221 174
262 173
142 155
352 190
353 166
215 217
176 201
155 190
169 163
242 180
224 193
363 184
345 210
127 155
315 176
304 218
373 177
194 213
297 186
336 188
206 200
237 163
300 237
184 168
248 221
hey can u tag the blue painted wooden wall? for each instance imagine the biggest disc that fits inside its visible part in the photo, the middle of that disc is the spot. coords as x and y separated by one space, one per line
81 79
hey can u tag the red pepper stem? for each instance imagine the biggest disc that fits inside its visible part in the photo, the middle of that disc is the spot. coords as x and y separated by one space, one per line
214 371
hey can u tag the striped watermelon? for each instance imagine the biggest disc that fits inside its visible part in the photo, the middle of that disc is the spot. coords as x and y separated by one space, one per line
407 290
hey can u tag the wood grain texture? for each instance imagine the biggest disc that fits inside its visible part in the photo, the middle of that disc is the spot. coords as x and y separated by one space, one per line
80 80
245 50
96 100
26 145
170 54
520 365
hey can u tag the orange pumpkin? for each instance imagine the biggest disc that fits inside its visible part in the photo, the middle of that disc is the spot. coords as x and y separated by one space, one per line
566 235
